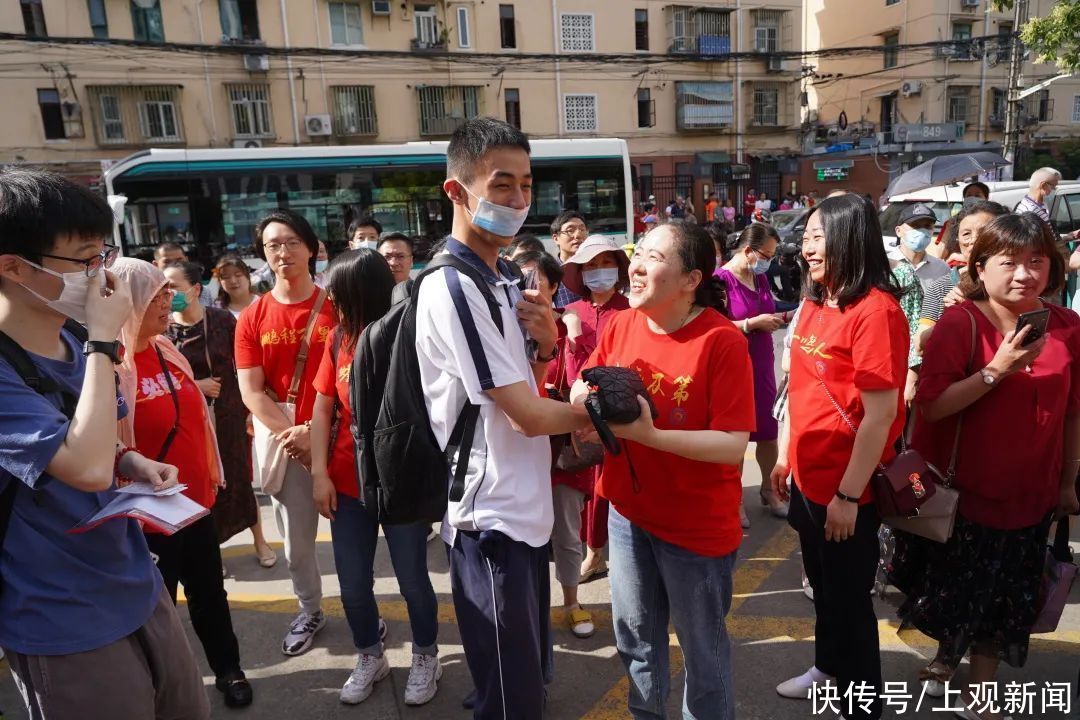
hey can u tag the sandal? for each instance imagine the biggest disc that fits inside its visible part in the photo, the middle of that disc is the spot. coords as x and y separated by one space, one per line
934 678
581 623
267 558
597 570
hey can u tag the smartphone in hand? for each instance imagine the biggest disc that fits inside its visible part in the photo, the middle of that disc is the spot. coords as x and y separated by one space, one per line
1037 319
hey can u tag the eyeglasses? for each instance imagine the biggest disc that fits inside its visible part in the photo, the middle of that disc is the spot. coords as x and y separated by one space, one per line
105 259
290 245
575 231
399 257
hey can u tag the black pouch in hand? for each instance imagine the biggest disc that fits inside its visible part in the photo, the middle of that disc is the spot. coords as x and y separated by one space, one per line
613 399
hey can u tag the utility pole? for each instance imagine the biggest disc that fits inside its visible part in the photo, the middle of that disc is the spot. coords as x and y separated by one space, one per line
1014 101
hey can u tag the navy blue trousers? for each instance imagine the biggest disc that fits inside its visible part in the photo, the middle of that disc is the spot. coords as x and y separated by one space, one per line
502 600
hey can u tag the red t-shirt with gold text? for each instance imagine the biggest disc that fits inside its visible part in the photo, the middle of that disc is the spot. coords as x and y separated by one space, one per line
268 335
865 347
699 378
332 380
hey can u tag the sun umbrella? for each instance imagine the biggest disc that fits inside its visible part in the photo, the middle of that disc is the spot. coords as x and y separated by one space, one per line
945 169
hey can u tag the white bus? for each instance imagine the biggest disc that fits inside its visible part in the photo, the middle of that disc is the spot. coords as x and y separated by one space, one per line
209 201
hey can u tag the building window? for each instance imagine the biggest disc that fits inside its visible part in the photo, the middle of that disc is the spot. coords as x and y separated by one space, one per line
891 53
700 31
766 106
961 35
577 32
1076 109
354 111
463 37
997 107
52 115
704 105
33 16
146 21
1038 107
239 19
767 30
507 33
345 25
891 2
1002 44
136 114
426 26
250 104
513 107
580 113
958 104
99 23
646 116
444 108
641 29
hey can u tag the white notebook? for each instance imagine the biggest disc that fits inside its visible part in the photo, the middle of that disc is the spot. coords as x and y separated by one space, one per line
168 512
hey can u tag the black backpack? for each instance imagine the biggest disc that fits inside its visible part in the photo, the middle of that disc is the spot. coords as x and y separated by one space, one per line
20 360
405 471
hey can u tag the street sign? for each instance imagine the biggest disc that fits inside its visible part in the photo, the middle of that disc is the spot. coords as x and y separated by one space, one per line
827 174
928 132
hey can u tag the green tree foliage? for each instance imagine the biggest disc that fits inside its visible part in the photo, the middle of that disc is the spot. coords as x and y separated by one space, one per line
1054 37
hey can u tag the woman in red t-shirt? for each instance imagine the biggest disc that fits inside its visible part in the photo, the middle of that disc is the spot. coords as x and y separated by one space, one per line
168 419
845 412
1016 459
360 283
673 528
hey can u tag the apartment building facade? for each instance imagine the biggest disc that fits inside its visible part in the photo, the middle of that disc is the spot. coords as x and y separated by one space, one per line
873 115
419 69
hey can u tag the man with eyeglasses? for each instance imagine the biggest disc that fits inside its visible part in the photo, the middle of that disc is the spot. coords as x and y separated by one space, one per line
397 249
568 231
84 621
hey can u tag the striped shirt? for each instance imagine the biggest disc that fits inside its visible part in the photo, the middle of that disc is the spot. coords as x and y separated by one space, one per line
933 303
1031 206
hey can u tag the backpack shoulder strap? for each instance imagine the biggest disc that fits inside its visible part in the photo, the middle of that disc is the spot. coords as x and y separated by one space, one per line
78 330
445 260
20 360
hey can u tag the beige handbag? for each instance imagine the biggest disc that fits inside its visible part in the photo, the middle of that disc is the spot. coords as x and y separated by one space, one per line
270 459
935 518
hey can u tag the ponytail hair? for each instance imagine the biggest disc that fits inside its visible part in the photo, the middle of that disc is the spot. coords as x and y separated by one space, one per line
697 252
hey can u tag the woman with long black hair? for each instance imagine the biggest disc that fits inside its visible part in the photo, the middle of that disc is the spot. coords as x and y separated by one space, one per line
360 283
845 413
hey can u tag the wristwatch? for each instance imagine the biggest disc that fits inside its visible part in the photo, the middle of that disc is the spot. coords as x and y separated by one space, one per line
988 377
114 349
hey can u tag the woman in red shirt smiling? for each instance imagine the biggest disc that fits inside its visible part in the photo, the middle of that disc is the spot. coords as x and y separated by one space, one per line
1017 457
168 420
673 527
848 360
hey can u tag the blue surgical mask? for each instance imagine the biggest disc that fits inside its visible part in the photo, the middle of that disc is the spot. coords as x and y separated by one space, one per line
498 220
761 266
601 279
320 265
917 239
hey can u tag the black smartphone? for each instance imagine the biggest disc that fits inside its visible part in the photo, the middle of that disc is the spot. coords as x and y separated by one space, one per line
1037 319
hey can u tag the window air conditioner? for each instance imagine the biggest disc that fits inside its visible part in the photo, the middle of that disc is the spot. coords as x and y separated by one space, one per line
247 143
317 125
910 87
256 63
775 63
380 7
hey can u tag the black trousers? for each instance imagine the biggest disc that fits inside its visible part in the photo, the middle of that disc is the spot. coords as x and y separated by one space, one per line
192 556
842 575
501 595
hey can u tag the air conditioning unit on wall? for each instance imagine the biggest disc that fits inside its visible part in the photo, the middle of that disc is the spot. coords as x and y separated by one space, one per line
256 63
317 125
380 7
775 63
910 87
247 143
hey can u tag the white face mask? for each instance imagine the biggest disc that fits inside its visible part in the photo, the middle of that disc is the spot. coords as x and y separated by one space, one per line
72 300
600 279
496 219
363 244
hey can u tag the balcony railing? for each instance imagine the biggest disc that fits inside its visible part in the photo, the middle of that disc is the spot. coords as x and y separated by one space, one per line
704 105
696 31
443 109
136 115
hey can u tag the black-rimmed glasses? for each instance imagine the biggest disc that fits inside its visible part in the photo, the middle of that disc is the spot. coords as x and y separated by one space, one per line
105 259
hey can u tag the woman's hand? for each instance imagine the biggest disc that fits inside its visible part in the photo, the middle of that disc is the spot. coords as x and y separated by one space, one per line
1012 356
765 323
642 429
297 442
211 387
778 480
840 519
1067 502
572 321
910 387
325 495
138 468
955 297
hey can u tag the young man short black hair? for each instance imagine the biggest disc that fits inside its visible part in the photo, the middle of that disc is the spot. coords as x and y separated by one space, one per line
88 606
364 232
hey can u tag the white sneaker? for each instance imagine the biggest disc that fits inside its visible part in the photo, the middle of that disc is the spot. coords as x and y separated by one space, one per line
423 679
934 688
369 670
799 688
302 632
807 588
382 630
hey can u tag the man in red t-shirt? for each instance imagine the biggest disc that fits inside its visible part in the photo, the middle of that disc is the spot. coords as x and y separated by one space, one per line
269 336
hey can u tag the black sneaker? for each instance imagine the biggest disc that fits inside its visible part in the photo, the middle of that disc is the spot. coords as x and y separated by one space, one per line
236 688
302 632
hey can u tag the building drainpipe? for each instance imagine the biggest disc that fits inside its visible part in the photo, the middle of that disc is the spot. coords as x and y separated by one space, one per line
322 65
982 79
289 66
739 129
558 72
206 71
